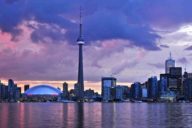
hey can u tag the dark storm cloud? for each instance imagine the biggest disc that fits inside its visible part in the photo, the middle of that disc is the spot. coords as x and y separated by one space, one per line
112 25
130 20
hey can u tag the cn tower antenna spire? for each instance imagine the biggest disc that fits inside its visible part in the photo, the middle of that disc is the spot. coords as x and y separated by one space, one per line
80 15
80 38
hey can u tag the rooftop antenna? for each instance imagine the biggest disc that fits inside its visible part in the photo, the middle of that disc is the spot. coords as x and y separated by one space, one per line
185 67
170 55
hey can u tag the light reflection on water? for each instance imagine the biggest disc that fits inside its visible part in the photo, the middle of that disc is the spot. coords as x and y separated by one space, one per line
95 115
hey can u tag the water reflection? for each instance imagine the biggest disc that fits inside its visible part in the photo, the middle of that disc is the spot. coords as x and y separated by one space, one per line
95 115
108 115
80 115
65 116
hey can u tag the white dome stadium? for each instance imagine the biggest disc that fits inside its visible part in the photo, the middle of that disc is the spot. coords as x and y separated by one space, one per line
43 90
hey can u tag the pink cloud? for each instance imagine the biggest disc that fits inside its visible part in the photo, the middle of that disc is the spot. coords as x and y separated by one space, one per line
5 37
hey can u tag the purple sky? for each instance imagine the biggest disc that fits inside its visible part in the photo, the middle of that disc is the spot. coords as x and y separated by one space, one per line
128 39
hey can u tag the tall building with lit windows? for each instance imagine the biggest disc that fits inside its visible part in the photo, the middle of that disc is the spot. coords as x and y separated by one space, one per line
11 90
108 85
152 88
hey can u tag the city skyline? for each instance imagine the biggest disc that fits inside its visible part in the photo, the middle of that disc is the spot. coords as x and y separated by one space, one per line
37 48
169 63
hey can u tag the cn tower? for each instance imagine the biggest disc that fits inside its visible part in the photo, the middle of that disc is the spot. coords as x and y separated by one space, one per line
80 42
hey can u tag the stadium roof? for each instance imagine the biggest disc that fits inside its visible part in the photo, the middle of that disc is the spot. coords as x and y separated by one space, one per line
43 90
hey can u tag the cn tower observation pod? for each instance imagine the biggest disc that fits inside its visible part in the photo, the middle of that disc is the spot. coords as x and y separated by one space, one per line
81 42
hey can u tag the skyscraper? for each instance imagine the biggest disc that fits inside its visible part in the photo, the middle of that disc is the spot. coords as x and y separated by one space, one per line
163 83
108 83
26 87
80 42
119 93
1 91
169 63
175 80
152 88
136 91
18 93
187 83
65 90
11 90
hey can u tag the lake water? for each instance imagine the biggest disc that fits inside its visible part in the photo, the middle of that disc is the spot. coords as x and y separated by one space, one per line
95 115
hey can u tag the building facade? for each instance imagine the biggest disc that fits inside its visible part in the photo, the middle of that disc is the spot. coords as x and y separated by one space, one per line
187 84
108 83
136 91
163 83
152 88
65 91
12 88
119 93
175 80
